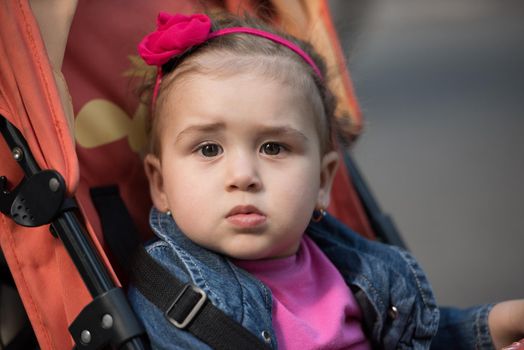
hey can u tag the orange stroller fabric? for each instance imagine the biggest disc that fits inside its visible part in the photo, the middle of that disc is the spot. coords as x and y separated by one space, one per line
109 130
30 100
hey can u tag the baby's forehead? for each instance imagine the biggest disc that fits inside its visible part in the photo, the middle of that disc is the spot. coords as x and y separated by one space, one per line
246 91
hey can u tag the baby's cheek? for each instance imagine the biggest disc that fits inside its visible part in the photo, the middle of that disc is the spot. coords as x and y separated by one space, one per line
297 209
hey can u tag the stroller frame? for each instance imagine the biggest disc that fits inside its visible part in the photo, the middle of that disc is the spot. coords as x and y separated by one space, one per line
118 326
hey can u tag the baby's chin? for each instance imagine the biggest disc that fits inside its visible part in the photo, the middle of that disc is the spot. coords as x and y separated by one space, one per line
252 253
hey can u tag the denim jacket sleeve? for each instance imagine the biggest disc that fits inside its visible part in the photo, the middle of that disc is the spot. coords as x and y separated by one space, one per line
463 329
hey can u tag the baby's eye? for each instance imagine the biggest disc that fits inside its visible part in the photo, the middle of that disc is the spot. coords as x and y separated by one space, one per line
271 148
210 150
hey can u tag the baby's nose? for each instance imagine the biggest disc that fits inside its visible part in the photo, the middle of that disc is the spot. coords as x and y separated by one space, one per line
243 173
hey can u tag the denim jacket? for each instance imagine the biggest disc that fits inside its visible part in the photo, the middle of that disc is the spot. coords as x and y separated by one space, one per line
398 307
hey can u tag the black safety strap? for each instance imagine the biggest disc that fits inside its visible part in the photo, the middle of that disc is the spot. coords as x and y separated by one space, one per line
185 306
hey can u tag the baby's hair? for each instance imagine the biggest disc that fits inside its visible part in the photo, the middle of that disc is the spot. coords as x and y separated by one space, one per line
233 53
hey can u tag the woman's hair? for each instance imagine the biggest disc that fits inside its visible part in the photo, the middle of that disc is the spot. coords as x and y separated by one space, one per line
240 53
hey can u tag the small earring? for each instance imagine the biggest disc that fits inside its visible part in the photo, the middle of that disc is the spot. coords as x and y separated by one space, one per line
318 215
168 213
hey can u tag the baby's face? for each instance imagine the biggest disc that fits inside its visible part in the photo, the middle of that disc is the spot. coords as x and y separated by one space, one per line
241 168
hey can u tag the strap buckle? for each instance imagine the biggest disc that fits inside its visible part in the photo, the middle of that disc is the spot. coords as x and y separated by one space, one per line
185 303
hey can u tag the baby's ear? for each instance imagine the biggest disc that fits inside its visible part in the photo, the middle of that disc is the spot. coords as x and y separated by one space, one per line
153 169
328 170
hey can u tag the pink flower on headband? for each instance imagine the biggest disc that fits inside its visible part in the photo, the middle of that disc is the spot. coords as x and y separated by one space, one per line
173 36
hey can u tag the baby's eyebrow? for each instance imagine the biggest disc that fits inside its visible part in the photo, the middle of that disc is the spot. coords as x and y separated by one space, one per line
284 130
200 129
264 130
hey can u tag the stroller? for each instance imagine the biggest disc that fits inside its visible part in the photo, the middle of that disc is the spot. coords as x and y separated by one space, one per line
55 177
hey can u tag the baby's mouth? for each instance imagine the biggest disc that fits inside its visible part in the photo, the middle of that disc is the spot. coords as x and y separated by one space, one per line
246 216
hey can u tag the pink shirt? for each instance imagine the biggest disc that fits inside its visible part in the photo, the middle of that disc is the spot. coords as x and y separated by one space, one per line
312 306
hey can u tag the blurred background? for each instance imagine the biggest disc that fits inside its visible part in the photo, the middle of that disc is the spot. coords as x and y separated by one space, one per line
441 85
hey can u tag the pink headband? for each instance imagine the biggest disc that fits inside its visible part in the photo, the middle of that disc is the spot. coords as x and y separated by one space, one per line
177 33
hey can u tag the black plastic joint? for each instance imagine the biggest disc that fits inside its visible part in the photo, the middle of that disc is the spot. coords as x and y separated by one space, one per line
107 321
36 200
